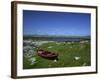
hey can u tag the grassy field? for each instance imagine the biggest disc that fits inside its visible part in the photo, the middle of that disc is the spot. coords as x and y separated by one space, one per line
70 54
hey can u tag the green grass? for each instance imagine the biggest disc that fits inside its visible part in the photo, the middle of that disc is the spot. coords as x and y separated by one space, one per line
67 51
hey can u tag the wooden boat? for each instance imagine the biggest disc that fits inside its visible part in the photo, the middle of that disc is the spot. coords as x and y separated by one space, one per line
47 54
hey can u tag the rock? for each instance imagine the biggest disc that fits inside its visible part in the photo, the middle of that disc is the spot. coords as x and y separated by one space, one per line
32 60
76 58
84 64
50 47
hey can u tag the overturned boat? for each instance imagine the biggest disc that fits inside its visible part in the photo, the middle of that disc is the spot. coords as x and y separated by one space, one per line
47 54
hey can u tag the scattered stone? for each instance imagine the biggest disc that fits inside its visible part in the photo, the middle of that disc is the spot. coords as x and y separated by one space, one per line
76 58
50 47
84 64
32 60
57 43
85 41
55 60
68 42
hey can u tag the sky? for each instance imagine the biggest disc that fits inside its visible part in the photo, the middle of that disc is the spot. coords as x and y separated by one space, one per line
56 23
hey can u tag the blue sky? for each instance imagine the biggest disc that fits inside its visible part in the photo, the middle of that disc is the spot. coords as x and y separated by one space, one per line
56 23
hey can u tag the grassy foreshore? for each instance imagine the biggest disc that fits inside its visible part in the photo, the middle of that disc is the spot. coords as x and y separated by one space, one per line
70 54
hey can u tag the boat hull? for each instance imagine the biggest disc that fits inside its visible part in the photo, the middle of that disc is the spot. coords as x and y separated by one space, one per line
47 54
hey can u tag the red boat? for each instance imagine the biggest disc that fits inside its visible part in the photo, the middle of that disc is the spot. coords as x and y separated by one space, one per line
47 54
